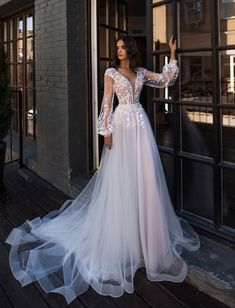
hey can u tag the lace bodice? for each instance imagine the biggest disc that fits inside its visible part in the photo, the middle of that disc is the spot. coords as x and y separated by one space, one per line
115 82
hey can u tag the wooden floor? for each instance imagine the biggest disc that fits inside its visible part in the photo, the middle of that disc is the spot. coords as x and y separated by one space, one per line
28 196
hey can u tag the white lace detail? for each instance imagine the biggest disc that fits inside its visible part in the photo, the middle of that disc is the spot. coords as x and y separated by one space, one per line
127 96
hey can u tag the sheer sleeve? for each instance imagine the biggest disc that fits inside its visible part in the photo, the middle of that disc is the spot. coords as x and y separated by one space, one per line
167 78
105 119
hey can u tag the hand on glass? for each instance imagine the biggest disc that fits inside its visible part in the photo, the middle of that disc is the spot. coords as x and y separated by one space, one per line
108 141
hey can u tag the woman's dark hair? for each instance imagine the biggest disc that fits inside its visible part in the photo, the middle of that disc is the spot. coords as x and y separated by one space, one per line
132 52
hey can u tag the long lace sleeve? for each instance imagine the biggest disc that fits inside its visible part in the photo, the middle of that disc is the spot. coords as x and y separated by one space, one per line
167 78
105 119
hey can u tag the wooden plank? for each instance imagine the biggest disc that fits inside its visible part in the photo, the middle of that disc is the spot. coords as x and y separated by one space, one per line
4 300
21 297
51 191
190 295
130 300
92 299
153 295
25 188
23 175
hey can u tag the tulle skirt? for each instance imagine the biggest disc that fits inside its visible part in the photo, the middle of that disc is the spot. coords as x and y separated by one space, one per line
121 221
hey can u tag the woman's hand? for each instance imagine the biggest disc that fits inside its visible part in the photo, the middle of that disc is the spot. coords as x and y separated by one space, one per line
172 45
108 141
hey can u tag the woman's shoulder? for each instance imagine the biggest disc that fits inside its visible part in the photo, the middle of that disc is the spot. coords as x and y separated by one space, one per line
110 72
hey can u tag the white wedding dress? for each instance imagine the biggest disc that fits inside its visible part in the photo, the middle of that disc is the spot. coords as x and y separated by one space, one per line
121 221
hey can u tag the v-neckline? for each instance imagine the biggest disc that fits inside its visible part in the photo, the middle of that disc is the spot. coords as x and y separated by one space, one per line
133 89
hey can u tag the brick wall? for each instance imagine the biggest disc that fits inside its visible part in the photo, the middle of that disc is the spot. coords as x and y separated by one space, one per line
61 91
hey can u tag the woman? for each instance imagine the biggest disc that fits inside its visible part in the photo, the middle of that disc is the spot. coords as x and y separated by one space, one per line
123 219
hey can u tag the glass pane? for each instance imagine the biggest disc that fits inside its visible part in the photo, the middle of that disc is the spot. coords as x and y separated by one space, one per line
103 12
104 42
29 24
30 124
227 22
20 75
196 77
5 47
195 23
29 101
168 167
103 66
197 130
113 37
227 78
228 135
29 49
13 52
20 51
163 124
162 26
20 27
198 188
121 16
156 1
5 31
12 29
158 62
13 75
113 13
15 121
228 198
30 75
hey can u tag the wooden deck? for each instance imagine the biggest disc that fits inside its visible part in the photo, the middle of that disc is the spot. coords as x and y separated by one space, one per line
28 196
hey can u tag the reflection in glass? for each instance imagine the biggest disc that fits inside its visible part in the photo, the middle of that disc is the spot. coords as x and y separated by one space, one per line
29 101
29 24
168 167
20 27
228 198
30 75
195 23
104 42
30 124
12 29
121 16
197 130
158 62
103 66
113 37
227 67
20 50
29 49
163 124
196 77
5 31
228 134
20 75
13 74
15 124
103 12
162 26
227 22
12 52
198 188
113 14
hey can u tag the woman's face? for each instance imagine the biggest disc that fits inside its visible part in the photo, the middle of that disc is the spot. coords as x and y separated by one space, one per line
121 50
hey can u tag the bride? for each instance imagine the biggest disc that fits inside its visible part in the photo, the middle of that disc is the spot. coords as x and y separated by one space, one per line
123 219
